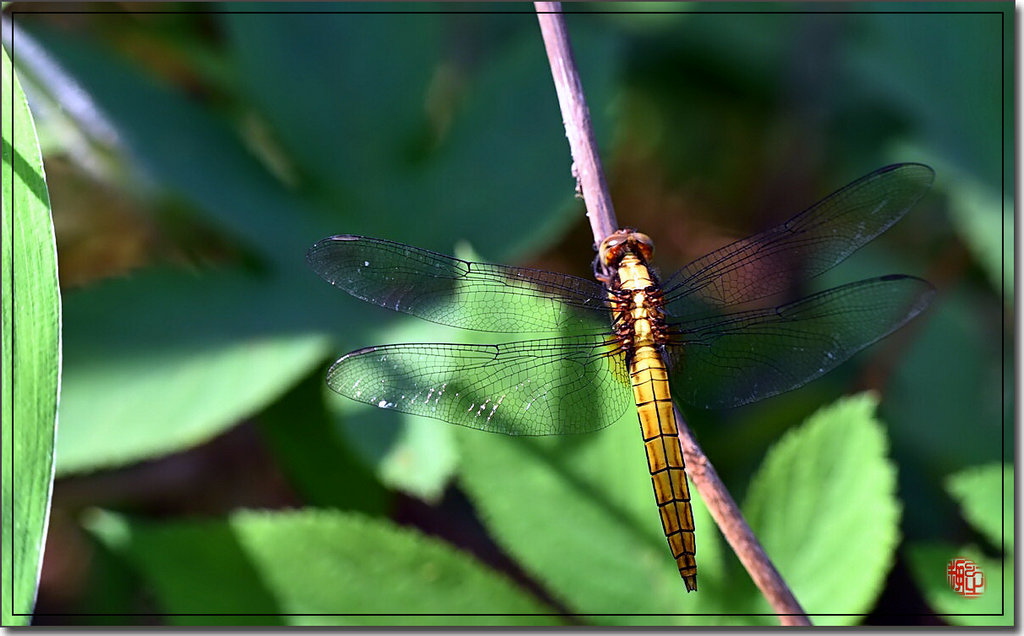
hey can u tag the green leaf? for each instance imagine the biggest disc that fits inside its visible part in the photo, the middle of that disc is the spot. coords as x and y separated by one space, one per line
31 353
151 342
982 217
367 111
301 567
994 607
985 221
412 454
928 407
892 59
318 462
186 148
823 504
985 494
404 142
578 513
165 360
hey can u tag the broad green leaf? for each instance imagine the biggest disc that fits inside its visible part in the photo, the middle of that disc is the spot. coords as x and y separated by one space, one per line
187 149
314 567
423 460
994 607
318 462
363 122
578 513
197 156
160 361
451 131
823 504
31 354
985 494
987 224
983 218
165 360
928 408
511 112
893 59
412 454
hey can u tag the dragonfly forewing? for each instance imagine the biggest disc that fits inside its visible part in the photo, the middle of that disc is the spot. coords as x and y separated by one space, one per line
574 384
458 293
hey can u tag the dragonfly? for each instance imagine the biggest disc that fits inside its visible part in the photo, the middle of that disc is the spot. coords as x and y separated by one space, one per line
721 332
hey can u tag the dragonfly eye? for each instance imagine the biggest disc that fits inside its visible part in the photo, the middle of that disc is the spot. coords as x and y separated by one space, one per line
611 250
616 245
643 244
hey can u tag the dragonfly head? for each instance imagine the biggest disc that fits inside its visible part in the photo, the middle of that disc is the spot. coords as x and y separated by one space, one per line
622 242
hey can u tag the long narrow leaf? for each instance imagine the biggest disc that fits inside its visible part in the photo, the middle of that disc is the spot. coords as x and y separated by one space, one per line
31 354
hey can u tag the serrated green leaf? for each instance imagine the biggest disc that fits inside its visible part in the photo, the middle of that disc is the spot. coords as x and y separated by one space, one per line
578 513
31 354
823 504
994 607
303 566
985 494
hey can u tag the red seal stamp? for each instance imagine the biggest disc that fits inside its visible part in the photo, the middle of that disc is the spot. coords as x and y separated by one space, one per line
965 577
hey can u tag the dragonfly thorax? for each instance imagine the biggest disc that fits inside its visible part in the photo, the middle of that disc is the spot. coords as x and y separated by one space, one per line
638 304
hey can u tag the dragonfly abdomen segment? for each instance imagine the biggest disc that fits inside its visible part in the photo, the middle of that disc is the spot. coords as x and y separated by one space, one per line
640 324
665 458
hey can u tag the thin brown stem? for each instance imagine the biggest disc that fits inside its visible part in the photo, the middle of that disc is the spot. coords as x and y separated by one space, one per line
586 165
736 531
591 183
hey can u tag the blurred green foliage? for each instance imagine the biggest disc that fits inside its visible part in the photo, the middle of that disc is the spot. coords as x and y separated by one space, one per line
310 565
985 494
217 142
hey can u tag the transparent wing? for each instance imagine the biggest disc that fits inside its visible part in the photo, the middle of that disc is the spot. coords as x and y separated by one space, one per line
451 291
550 386
746 356
802 247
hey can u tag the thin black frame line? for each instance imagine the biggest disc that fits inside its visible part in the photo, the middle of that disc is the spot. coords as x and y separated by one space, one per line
1002 287
526 13
14 12
14 401
484 614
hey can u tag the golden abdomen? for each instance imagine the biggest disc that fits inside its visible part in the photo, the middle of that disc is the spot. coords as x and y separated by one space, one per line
649 378
665 459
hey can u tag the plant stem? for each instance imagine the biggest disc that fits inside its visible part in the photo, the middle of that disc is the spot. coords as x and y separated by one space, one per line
591 183
586 165
736 531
